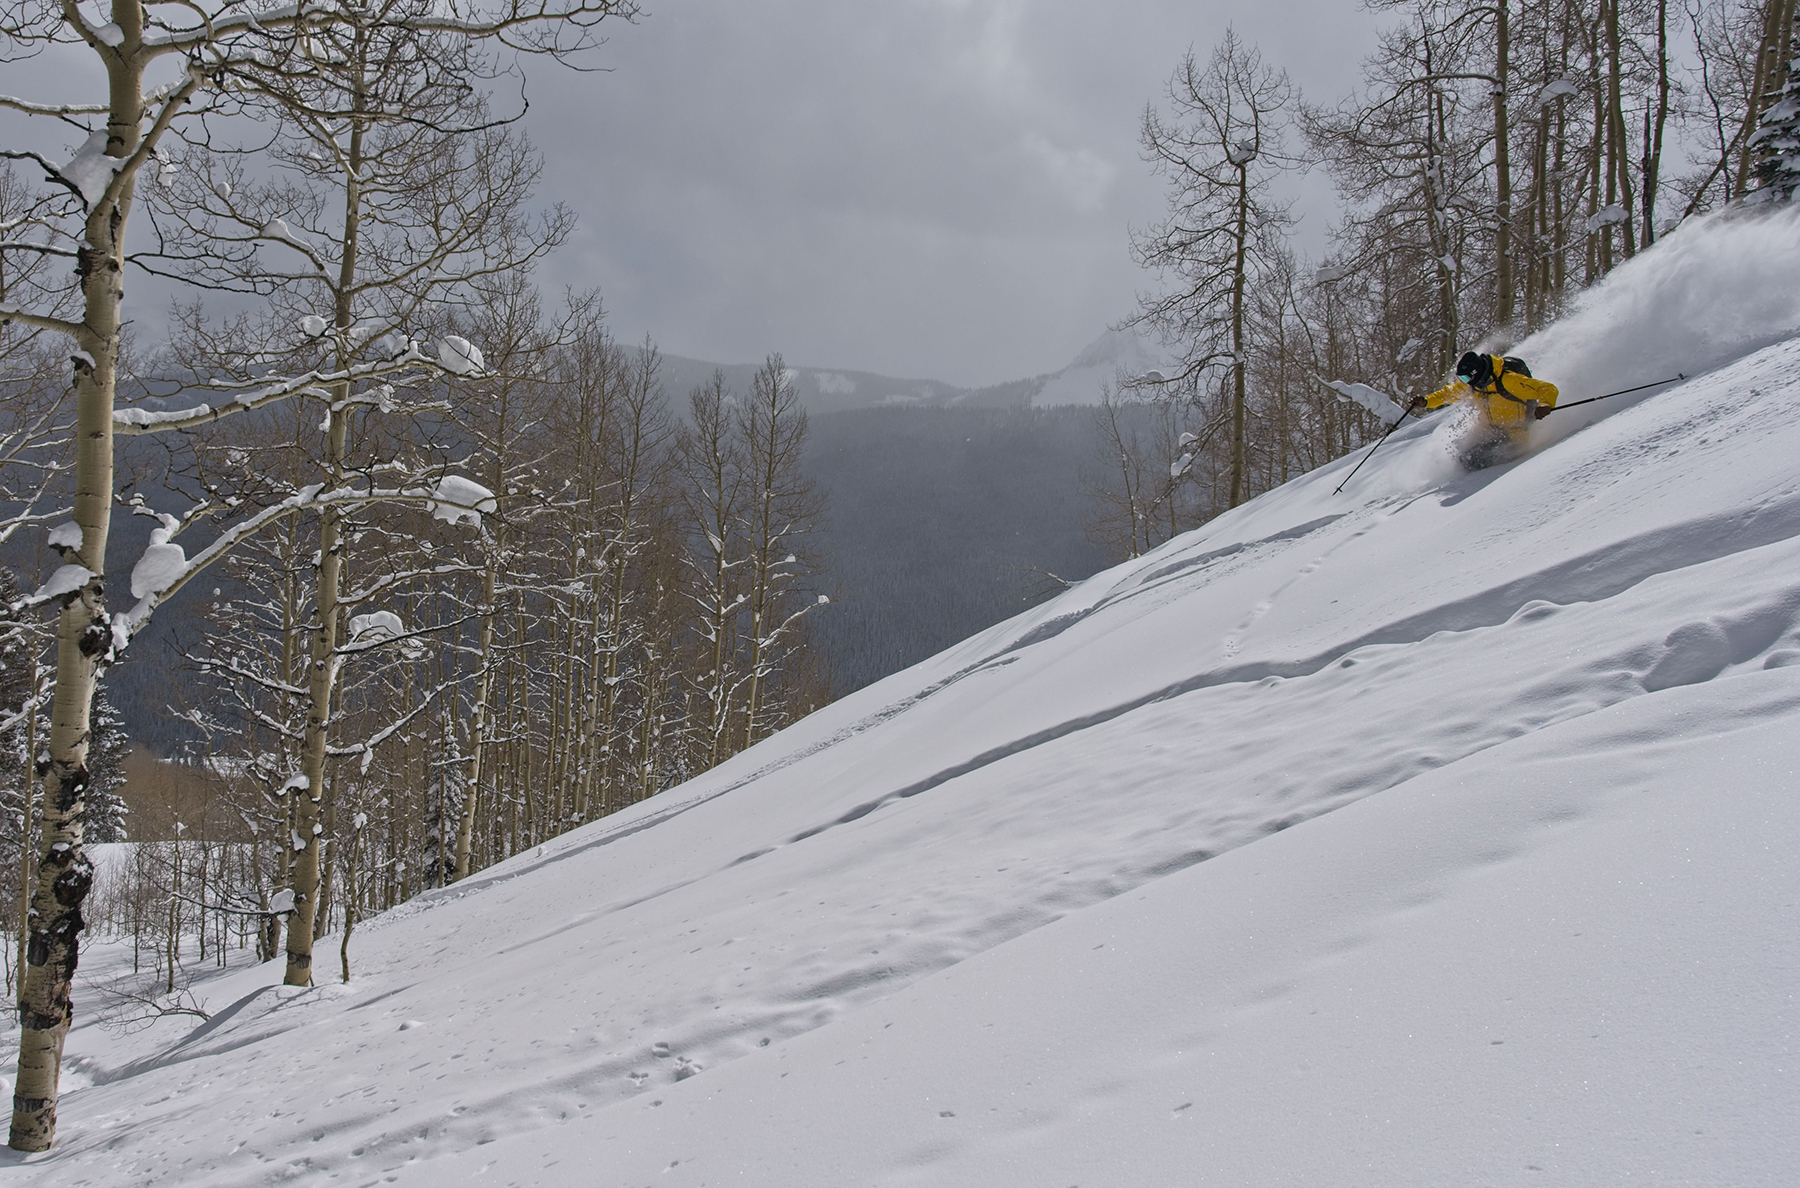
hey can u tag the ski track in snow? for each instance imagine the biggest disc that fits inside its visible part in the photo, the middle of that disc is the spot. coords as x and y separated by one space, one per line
1295 656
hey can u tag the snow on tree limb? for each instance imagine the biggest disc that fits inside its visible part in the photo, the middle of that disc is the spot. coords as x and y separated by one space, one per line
258 393
65 581
12 103
459 356
458 500
46 249
165 575
90 171
16 313
1373 399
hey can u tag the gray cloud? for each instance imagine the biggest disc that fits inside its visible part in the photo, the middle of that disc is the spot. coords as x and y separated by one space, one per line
929 188
917 187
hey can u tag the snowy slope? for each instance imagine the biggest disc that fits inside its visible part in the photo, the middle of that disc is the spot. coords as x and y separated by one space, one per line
1438 832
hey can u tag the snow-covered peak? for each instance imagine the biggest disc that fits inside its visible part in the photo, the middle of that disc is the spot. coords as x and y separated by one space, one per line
1118 348
1115 353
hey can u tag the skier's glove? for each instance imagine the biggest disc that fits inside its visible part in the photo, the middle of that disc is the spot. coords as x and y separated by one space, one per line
1543 412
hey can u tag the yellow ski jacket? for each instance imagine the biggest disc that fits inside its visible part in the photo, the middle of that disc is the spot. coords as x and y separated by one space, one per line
1504 401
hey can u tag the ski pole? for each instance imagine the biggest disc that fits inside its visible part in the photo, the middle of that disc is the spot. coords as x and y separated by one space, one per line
1377 445
1659 383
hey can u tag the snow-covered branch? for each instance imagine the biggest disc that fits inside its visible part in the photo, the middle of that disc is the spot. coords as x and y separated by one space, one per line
165 568
15 313
255 394
45 249
366 748
12 103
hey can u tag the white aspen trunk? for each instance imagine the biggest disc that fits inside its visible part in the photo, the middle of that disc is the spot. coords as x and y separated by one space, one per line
322 672
28 830
349 908
84 632
478 714
1618 155
1654 127
1777 15
1237 335
1503 236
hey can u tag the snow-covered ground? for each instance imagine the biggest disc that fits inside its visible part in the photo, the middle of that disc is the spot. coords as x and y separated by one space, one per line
1439 832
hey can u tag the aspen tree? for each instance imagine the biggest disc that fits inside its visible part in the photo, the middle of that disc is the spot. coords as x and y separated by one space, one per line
1220 149
714 494
1768 76
781 509
101 181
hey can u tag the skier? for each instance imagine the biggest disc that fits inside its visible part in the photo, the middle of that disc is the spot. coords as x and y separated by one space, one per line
1506 400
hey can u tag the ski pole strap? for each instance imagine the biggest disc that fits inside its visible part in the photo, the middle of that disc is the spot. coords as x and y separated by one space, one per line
1677 377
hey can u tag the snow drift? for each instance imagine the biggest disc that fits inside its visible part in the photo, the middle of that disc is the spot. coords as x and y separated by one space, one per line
1439 832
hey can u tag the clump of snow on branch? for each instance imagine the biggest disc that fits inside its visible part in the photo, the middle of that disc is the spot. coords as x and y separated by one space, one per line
91 170
162 565
312 326
66 535
1606 216
1373 399
278 228
458 500
392 346
1554 90
459 356
376 626
66 580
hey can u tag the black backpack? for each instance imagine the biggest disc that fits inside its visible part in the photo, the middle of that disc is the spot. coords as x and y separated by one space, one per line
1514 363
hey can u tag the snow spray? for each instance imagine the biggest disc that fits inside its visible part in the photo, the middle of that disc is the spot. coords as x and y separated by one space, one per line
1717 288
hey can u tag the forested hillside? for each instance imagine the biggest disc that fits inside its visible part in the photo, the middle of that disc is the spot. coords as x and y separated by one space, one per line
942 522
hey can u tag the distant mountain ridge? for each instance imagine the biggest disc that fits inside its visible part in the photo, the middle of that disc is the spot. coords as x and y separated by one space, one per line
836 389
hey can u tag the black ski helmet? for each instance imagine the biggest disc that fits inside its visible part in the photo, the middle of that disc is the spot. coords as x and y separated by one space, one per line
1474 369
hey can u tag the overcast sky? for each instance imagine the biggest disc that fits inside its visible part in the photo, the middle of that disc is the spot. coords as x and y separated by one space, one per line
930 188
934 189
